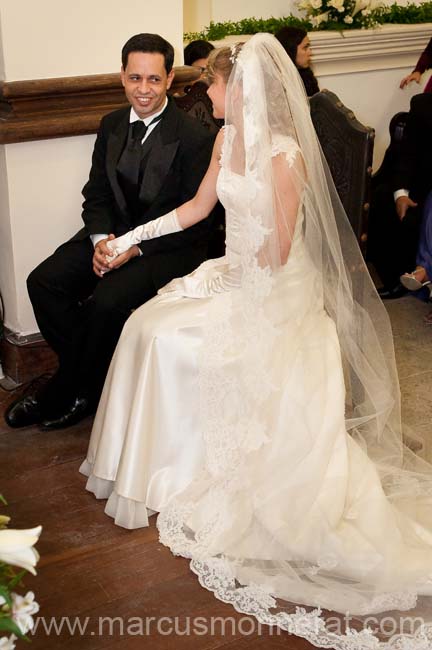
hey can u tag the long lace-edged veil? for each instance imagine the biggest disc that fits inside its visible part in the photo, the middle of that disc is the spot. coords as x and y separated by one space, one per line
278 578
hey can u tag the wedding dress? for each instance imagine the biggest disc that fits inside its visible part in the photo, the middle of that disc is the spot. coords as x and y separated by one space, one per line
254 403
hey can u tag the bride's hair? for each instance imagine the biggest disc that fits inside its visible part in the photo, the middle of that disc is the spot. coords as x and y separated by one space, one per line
221 61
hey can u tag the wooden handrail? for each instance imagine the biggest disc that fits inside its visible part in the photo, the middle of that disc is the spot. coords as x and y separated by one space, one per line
38 109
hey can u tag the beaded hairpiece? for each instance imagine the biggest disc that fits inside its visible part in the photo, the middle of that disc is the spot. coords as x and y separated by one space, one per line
235 49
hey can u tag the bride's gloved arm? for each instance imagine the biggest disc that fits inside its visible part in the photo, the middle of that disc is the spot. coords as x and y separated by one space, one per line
202 285
182 217
288 185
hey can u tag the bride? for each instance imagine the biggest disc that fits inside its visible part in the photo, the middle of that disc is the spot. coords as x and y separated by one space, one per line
255 402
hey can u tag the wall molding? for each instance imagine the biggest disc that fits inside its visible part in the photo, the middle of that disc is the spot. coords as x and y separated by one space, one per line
39 109
362 50
384 48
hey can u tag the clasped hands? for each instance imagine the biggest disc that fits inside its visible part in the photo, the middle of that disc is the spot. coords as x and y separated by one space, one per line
107 258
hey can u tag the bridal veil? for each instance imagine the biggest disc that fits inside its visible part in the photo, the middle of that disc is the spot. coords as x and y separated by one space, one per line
235 522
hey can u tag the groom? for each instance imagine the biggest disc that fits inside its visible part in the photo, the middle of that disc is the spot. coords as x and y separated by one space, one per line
148 158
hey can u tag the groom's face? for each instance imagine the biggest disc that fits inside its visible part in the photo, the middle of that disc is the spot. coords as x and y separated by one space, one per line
146 82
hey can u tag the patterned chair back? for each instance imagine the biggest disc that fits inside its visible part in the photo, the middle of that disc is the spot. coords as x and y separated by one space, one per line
348 147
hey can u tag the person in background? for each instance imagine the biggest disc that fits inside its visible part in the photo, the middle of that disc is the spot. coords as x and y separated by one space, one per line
424 63
422 274
397 205
197 53
296 44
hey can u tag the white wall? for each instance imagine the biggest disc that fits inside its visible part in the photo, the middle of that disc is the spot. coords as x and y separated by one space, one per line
41 182
228 10
44 187
7 272
374 97
199 13
196 14
2 67
78 37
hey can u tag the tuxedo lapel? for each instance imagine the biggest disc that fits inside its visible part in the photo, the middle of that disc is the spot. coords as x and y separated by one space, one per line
115 146
163 150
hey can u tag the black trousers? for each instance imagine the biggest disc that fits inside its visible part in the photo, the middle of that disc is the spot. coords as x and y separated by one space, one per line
392 243
81 316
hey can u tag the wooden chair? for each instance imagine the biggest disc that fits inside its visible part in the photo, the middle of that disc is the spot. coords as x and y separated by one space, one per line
348 147
196 102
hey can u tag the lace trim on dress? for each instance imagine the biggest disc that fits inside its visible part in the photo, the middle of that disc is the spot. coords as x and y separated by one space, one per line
217 574
287 145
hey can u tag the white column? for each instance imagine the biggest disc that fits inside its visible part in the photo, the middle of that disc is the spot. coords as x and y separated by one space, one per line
197 14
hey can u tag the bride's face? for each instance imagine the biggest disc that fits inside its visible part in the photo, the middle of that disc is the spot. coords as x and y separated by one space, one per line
216 92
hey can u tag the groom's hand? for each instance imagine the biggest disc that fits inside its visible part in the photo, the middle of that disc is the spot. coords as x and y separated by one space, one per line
121 259
101 250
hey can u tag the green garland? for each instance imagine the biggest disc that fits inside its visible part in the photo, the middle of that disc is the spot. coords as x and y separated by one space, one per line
394 14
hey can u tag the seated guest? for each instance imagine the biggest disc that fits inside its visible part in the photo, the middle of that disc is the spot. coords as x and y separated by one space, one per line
397 204
197 53
296 44
422 274
148 157
424 63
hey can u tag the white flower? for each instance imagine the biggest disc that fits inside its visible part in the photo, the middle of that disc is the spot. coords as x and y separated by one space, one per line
316 4
321 18
366 12
16 547
304 4
7 643
359 5
23 608
348 20
337 4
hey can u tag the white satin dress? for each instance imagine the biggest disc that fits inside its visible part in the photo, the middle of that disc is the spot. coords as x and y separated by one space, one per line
146 443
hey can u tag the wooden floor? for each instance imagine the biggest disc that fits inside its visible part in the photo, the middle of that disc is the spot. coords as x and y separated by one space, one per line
91 569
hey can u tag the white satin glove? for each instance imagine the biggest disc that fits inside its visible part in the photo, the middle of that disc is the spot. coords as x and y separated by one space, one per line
197 285
165 225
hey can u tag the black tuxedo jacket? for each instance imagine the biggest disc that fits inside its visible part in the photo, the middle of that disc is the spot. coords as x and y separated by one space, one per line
413 164
180 154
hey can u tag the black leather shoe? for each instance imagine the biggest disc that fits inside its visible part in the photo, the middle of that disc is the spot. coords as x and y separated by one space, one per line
79 409
24 412
397 291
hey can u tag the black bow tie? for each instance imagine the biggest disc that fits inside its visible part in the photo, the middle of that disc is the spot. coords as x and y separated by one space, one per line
139 129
